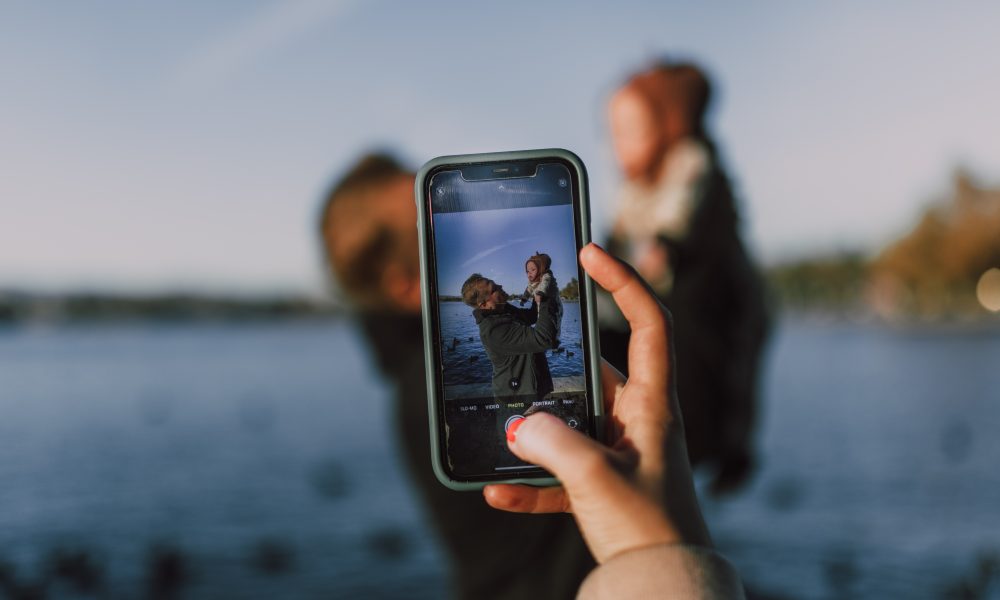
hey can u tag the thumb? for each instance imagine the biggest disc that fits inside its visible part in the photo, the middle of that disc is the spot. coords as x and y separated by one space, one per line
546 441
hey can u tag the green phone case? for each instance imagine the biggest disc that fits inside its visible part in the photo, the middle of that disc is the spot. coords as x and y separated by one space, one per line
430 352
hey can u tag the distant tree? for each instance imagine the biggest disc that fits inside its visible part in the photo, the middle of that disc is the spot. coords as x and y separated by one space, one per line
571 291
933 270
929 272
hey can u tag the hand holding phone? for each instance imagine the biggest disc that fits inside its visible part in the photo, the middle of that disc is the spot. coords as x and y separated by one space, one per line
639 492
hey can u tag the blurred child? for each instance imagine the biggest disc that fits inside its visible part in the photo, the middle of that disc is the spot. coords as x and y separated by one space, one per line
541 281
677 223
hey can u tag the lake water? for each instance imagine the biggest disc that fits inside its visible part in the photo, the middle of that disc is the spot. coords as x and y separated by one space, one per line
465 358
257 462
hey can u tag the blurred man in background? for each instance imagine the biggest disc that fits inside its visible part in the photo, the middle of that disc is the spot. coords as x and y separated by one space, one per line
370 242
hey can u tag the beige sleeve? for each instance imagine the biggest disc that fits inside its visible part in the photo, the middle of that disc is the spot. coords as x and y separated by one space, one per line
679 192
665 571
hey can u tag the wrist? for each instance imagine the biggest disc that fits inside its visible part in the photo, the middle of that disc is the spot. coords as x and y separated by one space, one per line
646 524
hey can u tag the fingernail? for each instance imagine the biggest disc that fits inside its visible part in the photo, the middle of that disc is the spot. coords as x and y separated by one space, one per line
512 430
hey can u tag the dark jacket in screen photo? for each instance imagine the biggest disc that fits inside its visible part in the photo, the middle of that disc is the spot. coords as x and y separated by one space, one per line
517 349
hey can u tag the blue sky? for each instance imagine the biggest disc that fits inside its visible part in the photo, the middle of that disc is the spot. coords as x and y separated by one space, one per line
186 145
496 243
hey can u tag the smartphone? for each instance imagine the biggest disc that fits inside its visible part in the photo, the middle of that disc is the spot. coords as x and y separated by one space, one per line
508 312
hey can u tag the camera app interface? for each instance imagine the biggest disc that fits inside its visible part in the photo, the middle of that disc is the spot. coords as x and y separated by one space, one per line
511 336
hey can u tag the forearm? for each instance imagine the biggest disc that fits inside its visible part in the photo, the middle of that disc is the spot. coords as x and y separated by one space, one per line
526 339
544 331
530 314
664 571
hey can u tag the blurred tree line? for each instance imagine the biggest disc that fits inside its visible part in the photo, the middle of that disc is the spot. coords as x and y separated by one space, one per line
88 307
931 272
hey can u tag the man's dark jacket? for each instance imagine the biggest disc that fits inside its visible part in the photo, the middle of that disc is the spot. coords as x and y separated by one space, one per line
517 349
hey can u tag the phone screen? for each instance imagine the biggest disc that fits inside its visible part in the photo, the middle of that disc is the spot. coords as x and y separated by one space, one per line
510 326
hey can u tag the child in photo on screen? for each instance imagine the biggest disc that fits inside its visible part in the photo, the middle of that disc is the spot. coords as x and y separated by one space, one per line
542 281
